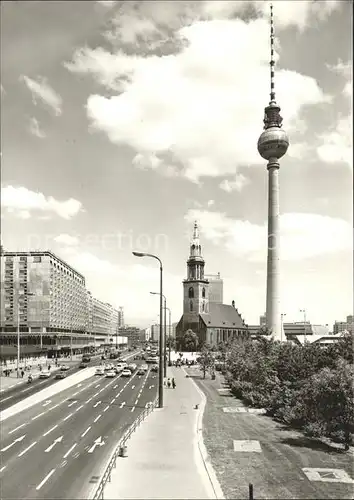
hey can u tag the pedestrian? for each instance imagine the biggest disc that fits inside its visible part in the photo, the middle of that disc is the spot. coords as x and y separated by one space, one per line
40 367
22 373
173 384
48 367
169 383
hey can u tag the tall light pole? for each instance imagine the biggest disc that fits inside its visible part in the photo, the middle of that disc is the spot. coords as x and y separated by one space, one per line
304 312
165 336
141 254
169 335
282 325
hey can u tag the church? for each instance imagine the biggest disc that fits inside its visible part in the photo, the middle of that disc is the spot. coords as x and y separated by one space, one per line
212 322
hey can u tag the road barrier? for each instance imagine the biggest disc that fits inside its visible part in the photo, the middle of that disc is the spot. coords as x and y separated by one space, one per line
121 451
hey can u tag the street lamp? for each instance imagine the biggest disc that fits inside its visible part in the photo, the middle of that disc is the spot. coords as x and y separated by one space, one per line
141 254
165 335
169 335
281 325
304 311
18 331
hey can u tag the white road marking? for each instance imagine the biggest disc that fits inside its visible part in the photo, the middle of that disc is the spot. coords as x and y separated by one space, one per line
77 392
47 402
19 427
106 408
115 387
28 448
72 403
69 451
45 479
97 442
97 418
133 386
90 399
113 400
39 415
9 397
79 408
122 404
3 468
14 442
97 386
25 390
76 454
96 404
63 464
84 434
55 406
96 394
58 440
79 385
136 401
67 417
132 409
50 430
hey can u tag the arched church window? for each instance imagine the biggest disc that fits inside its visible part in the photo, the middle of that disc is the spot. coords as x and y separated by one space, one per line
203 307
203 293
191 306
191 293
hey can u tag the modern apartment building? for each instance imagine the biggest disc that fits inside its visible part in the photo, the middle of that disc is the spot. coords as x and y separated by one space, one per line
121 317
133 334
104 318
155 333
341 326
42 293
216 288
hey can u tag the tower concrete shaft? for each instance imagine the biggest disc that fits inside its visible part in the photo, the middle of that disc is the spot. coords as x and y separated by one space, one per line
273 318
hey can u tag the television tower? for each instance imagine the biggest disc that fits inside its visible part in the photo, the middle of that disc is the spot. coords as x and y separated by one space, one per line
272 145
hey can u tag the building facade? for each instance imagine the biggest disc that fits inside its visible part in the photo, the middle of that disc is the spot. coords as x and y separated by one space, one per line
132 333
155 333
341 326
216 288
213 322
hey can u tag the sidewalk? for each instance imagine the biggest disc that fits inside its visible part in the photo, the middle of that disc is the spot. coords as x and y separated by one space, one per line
163 455
7 383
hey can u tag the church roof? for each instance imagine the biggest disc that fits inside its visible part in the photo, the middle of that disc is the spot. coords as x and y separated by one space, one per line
222 316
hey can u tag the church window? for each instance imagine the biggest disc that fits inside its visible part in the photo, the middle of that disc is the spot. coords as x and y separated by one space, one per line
191 306
191 293
203 307
203 293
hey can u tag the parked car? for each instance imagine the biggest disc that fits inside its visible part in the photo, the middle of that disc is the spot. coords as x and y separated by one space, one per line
126 373
155 368
141 371
132 367
60 375
99 371
44 374
64 368
83 365
110 374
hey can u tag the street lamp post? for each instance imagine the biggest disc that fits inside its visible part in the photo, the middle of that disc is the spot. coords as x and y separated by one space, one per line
165 336
304 311
141 254
169 335
281 325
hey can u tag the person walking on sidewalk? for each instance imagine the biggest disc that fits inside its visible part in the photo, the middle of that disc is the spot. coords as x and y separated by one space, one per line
169 383
173 384
22 373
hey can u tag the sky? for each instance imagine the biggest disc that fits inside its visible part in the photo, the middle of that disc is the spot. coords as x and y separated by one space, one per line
124 122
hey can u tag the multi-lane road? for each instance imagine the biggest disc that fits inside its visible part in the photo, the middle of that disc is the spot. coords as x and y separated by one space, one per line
58 448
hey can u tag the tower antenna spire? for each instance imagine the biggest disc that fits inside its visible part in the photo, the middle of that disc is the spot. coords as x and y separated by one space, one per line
272 61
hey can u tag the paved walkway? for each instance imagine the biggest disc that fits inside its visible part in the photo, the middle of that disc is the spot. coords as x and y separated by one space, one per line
7 383
163 455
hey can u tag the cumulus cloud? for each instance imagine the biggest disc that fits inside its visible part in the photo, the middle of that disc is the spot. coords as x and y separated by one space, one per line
301 235
337 143
16 200
239 182
41 89
66 239
195 105
35 129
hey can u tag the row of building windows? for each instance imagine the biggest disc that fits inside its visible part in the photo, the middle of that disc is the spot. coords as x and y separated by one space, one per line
191 293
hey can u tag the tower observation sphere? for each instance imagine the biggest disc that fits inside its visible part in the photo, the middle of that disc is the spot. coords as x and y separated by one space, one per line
273 143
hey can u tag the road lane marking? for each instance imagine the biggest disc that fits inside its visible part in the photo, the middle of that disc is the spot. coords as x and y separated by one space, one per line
79 385
77 392
97 393
133 386
3 468
115 387
25 390
14 442
56 441
47 402
77 454
122 404
97 418
9 397
79 408
113 400
55 406
69 451
28 448
89 400
133 409
73 402
50 430
136 401
84 434
107 407
63 464
96 404
66 418
97 386
45 479
19 427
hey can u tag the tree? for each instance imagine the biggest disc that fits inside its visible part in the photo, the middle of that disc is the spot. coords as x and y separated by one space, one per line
206 360
170 342
190 340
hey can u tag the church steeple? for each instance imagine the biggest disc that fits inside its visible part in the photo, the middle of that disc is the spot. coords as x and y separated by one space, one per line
195 263
195 249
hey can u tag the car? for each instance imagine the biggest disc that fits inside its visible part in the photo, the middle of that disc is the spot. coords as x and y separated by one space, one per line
141 371
152 359
60 375
155 368
64 368
126 373
144 367
110 374
44 374
121 366
132 367
83 365
99 371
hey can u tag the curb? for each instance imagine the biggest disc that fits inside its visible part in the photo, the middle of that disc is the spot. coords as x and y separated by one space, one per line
202 448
